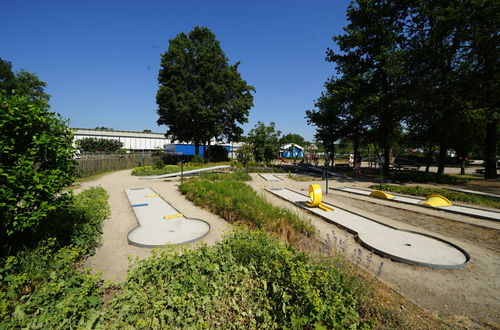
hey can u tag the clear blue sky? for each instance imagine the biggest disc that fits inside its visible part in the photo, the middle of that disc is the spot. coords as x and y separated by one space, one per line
100 59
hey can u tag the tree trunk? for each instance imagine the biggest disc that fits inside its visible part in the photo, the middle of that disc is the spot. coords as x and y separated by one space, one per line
387 150
462 164
196 148
490 161
429 157
442 158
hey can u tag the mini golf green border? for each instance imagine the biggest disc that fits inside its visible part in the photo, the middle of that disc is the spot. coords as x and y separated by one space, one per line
171 244
377 251
426 206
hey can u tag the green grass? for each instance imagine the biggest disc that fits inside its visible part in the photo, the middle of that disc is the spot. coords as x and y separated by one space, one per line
422 177
246 281
451 195
235 201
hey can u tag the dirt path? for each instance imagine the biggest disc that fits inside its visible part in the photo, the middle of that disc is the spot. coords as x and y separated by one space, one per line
111 257
472 291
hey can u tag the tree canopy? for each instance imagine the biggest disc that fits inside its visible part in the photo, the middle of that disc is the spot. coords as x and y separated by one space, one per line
91 144
201 96
265 141
424 70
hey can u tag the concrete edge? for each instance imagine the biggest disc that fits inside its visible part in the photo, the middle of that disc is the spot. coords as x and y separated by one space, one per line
381 253
155 246
172 244
430 207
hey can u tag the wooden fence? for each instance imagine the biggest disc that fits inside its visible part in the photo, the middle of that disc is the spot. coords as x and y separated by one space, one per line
94 164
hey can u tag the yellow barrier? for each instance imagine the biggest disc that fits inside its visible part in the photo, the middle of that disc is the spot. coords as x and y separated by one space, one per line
381 194
173 216
315 194
435 200
151 195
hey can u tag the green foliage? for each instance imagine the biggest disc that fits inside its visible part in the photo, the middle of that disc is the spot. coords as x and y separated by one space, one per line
450 194
201 96
216 153
293 138
23 82
41 287
167 169
197 159
36 158
265 142
98 145
245 154
423 177
235 201
247 281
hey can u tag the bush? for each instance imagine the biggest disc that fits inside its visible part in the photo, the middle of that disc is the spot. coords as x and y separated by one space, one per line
42 287
423 177
235 201
247 281
99 145
216 153
36 158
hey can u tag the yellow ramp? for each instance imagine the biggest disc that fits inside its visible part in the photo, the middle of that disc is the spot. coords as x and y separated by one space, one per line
435 200
316 195
381 194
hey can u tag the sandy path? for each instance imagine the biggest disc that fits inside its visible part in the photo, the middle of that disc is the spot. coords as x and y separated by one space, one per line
111 257
472 291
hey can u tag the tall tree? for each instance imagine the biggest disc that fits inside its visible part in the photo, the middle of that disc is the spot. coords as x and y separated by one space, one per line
201 96
23 82
265 141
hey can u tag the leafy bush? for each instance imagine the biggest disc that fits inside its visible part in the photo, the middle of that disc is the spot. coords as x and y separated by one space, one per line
247 281
167 169
450 194
216 153
36 163
41 287
197 159
98 145
235 201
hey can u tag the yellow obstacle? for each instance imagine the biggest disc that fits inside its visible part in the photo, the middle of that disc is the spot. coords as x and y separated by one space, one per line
435 200
173 216
151 195
316 195
381 194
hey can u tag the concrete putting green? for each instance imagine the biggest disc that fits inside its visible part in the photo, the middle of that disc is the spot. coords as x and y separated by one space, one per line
397 244
161 224
465 210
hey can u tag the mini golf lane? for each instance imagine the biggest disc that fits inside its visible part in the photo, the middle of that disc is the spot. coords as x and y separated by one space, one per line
397 244
270 177
470 211
159 223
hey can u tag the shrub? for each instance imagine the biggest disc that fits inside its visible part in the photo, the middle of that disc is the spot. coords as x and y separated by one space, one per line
247 281
36 162
99 145
42 287
235 201
216 153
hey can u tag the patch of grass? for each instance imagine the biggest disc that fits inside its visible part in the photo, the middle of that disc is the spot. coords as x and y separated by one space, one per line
41 287
450 194
247 281
235 201
422 177
303 178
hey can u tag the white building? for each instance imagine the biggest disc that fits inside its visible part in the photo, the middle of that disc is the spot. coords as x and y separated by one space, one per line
134 141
